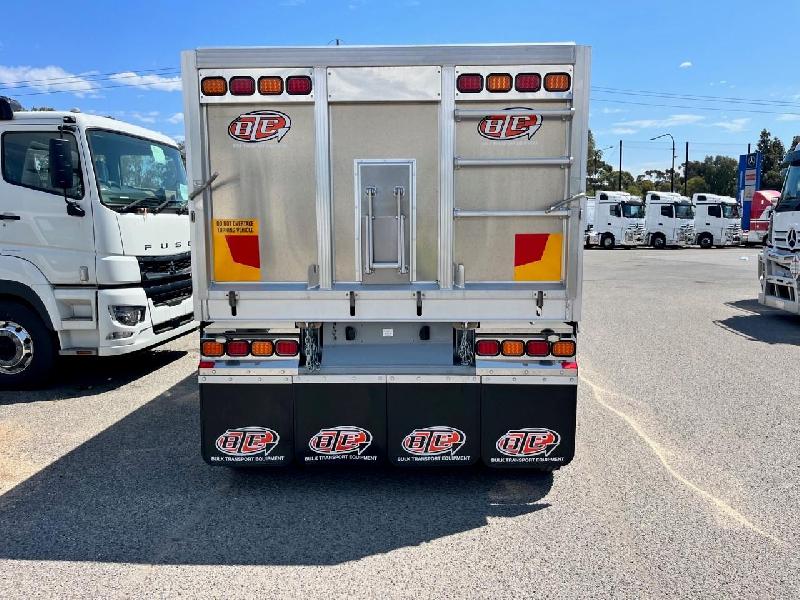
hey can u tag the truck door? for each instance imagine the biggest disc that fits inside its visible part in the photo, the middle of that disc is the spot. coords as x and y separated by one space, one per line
34 223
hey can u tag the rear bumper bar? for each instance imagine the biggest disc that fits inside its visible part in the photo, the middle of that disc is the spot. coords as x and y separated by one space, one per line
410 421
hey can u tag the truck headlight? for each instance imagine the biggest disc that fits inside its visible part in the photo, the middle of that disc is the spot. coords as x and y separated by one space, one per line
127 315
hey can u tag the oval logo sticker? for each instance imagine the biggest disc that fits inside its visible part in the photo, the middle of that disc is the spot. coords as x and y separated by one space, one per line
260 126
509 127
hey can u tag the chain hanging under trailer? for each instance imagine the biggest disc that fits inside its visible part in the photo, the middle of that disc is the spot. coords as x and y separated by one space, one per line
465 348
311 349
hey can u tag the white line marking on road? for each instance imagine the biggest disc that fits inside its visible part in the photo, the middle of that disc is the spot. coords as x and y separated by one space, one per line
721 505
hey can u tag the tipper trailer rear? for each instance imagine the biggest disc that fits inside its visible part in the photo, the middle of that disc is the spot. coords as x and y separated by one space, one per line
388 252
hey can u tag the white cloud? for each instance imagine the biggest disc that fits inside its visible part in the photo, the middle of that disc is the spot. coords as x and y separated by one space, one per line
671 121
612 111
176 118
685 64
148 82
46 79
623 130
148 117
734 125
789 117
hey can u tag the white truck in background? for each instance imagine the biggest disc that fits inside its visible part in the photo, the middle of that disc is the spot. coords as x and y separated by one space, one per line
94 240
388 266
779 262
669 220
717 220
615 219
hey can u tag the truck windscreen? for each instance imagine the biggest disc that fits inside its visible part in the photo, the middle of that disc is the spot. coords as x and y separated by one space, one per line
790 197
730 211
134 173
684 211
633 210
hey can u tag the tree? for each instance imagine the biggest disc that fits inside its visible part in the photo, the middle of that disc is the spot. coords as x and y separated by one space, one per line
772 153
696 185
719 174
598 169
41 108
795 143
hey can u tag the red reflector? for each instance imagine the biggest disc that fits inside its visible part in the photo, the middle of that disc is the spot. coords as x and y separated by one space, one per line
528 82
237 348
298 85
469 83
242 86
569 364
287 347
537 348
206 364
487 348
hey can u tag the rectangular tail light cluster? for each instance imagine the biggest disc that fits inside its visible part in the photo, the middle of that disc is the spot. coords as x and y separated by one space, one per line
498 83
244 348
517 348
244 85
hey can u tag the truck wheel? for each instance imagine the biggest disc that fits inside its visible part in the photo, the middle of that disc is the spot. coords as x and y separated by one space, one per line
705 241
659 242
27 348
607 242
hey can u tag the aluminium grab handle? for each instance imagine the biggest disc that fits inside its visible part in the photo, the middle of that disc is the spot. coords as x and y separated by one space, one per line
399 192
370 266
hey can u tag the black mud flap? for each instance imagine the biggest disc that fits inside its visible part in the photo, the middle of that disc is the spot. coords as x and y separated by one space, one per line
246 424
340 423
433 424
528 426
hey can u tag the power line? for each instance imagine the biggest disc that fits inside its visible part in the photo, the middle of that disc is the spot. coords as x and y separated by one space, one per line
697 97
89 77
91 90
712 108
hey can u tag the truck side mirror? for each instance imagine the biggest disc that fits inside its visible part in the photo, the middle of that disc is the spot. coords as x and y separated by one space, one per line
60 164
61 172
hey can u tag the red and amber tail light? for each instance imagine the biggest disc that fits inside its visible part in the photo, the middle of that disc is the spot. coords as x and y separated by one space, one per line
514 348
244 348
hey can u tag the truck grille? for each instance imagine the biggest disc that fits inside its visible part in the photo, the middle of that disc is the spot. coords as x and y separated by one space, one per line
686 234
165 267
172 323
635 233
167 280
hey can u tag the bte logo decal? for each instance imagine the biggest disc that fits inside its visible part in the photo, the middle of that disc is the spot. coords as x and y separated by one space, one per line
345 439
434 441
509 127
531 441
247 441
260 126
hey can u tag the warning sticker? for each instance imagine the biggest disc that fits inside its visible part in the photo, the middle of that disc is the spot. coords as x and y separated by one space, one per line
237 254
537 256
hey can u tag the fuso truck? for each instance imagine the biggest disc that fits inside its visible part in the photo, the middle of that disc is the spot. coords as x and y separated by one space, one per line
94 240
387 252
617 219
779 263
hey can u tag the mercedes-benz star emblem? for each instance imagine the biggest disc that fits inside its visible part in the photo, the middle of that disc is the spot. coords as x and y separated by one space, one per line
791 237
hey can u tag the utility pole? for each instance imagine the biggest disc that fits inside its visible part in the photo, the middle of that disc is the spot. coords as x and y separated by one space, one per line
686 172
619 183
598 154
672 177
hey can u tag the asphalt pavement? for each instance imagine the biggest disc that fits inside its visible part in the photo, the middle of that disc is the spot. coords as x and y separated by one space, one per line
686 481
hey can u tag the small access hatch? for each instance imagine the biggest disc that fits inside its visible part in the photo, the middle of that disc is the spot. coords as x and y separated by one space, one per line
385 210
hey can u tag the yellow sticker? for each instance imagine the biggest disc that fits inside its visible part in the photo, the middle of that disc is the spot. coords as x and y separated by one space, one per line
237 252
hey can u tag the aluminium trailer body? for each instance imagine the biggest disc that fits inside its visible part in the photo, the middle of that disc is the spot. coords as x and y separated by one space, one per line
388 264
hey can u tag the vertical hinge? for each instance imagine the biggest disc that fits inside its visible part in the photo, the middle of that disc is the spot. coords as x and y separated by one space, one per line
352 304
233 298
539 303
419 303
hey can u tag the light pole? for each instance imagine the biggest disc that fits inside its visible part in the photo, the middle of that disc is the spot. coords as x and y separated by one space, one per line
672 175
598 154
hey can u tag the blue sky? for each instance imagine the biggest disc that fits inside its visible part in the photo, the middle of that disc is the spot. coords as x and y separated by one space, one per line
122 59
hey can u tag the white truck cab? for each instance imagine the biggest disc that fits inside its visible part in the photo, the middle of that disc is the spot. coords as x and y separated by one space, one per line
717 220
616 219
94 240
669 220
779 264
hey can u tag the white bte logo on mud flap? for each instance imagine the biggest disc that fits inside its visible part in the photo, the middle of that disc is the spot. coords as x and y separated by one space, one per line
529 441
509 127
248 441
434 441
344 439
260 126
